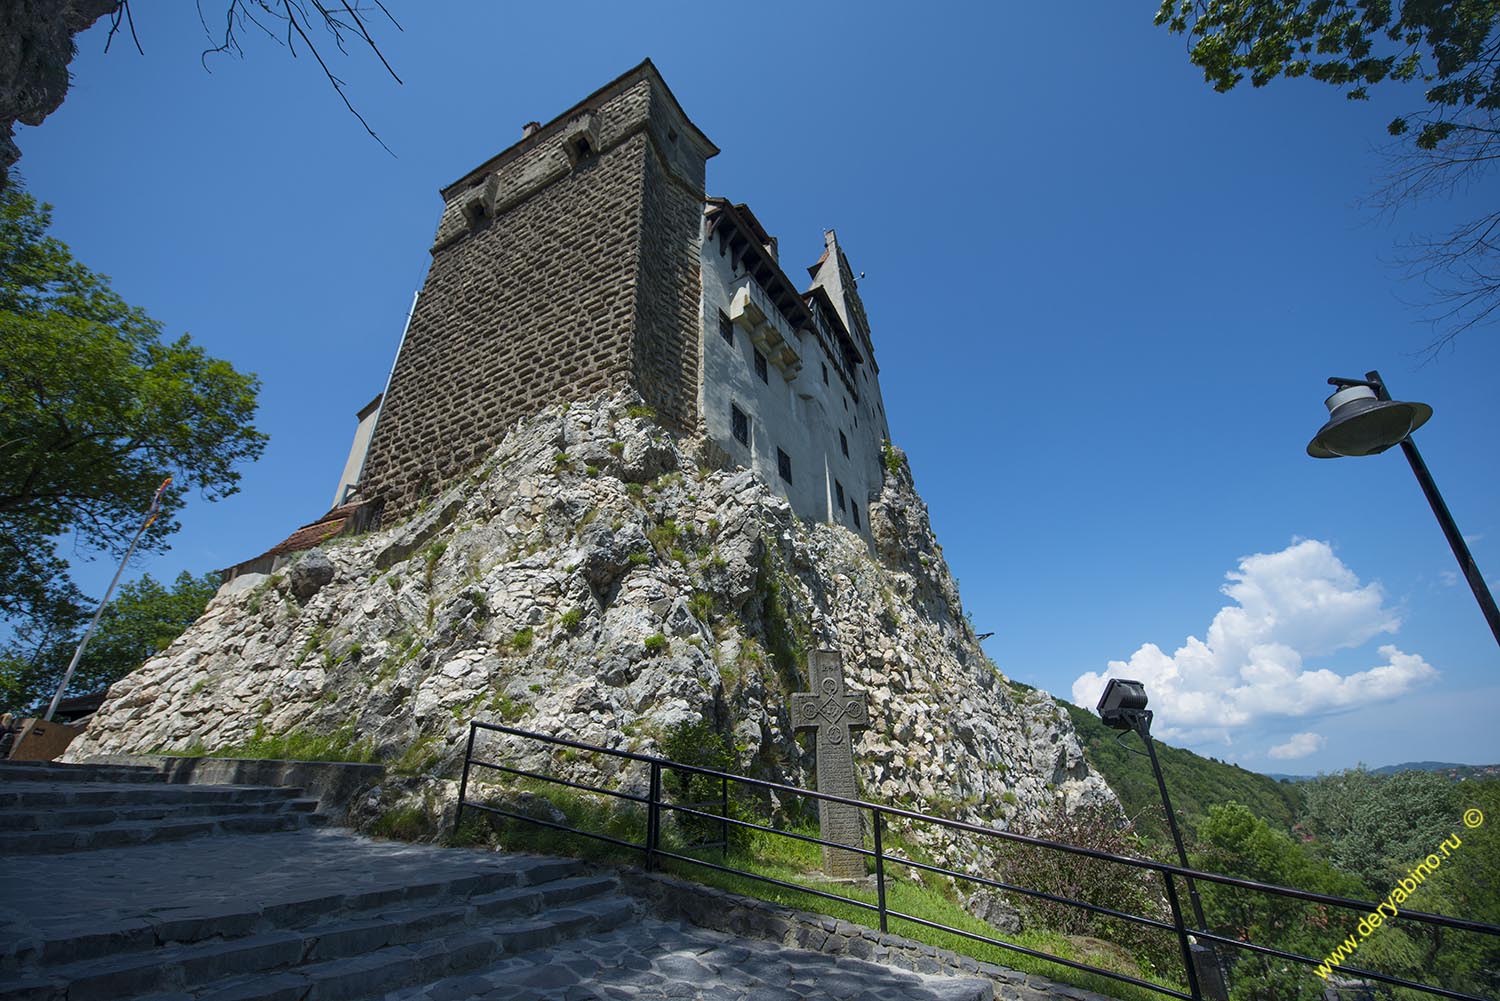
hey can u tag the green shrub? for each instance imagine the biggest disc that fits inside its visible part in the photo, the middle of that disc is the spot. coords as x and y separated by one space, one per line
571 618
520 641
418 757
639 559
655 643
409 823
432 554
641 412
702 606
892 458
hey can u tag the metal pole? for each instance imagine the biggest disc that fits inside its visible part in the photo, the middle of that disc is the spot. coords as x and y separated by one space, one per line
724 818
879 869
463 784
88 633
1182 936
653 817
1445 520
1198 955
1143 727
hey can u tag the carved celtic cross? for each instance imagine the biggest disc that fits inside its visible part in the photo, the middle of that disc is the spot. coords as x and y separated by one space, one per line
832 712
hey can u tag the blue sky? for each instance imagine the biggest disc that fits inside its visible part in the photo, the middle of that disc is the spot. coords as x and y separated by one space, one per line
1104 298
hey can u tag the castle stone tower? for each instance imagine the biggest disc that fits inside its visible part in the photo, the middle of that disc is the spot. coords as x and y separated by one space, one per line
565 266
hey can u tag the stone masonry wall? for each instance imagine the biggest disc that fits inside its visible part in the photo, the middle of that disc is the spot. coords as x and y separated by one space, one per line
558 273
668 324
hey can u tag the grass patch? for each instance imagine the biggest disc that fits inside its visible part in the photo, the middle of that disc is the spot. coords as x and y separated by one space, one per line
418 757
571 618
301 745
408 823
641 413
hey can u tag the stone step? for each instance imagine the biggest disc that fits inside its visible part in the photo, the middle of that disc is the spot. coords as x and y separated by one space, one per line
56 771
373 974
94 816
345 958
136 832
23 796
471 892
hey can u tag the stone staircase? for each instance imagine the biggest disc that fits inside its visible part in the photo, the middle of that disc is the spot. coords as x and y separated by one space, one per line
46 807
267 909
108 894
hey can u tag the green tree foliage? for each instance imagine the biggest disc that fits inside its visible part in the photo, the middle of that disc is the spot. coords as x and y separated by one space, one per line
1233 841
1466 885
1448 48
1373 825
95 409
1094 881
1445 44
142 619
1194 782
1421 819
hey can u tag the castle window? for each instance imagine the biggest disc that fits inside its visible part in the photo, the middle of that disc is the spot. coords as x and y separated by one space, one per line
739 424
581 149
726 327
844 444
784 465
854 513
760 368
838 493
825 373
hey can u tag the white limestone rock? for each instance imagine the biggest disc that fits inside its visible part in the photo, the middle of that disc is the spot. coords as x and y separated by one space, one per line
590 580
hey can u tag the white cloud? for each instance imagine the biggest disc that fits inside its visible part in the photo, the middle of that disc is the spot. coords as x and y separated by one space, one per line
1299 746
1448 577
1297 603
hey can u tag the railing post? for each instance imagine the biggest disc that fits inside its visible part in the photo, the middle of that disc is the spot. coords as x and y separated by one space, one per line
653 817
723 818
1182 936
463 783
879 869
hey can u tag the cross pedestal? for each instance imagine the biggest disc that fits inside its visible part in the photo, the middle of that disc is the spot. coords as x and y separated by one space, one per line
832 711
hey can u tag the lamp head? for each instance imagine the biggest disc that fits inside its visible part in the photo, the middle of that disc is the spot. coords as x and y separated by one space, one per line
1360 423
1122 704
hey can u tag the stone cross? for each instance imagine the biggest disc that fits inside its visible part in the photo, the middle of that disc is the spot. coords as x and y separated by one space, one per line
832 711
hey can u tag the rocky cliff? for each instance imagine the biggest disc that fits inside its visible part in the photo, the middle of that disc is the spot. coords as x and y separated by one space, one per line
594 579
36 45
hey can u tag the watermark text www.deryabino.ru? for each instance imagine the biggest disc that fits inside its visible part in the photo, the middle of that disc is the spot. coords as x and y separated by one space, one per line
1398 895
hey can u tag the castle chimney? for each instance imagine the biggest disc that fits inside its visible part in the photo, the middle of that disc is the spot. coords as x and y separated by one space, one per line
530 129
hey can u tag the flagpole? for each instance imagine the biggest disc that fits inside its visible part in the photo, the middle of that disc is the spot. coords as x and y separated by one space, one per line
88 634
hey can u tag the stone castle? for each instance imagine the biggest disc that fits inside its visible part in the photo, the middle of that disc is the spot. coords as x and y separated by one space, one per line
551 555
588 258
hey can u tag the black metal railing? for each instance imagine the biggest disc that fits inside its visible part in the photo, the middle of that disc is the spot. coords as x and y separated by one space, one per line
655 803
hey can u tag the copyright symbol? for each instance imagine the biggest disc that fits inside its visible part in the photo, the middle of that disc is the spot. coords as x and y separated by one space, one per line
1473 818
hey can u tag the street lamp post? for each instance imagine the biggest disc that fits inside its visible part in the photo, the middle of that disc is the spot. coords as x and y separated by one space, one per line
1364 420
1123 707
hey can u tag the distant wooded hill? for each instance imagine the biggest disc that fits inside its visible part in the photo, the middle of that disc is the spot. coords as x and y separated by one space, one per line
1452 769
1194 782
